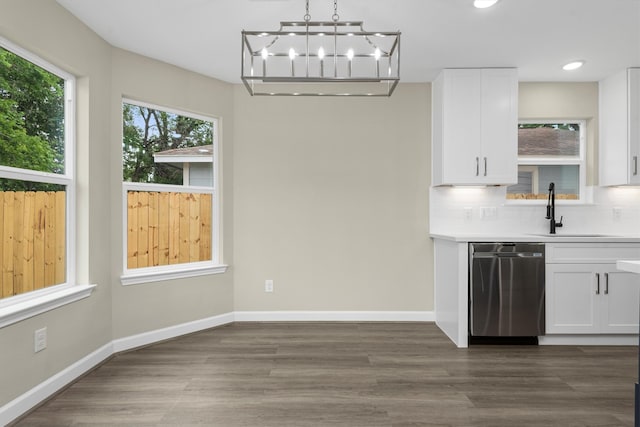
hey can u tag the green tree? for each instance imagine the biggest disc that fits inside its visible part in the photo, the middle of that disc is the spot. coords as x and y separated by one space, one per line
148 131
31 119
39 96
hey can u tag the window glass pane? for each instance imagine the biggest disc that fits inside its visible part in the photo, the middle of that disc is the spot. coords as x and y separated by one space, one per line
549 140
33 236
166 148
533 182
31 116
165 228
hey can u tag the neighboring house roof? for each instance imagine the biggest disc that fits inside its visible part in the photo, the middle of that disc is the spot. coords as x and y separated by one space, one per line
544 141
199 154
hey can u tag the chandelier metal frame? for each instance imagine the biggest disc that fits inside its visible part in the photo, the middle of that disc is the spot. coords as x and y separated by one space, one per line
320 58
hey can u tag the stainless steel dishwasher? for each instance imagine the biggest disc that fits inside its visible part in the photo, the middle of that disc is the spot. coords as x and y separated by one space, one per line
506 289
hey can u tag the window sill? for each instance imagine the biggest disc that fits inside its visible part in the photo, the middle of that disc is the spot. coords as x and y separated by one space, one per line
158 274
25 306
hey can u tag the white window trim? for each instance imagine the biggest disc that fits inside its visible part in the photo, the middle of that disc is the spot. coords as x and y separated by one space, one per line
184 270
135 276
584 196
23 306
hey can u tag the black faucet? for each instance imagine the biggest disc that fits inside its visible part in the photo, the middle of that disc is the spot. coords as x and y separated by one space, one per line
551 209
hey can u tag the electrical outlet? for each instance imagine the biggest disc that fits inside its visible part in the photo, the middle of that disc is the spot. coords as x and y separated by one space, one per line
488 212
39 340
268 285
468 214
617 214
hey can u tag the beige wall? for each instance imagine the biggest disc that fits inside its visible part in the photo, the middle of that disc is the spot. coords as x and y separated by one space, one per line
104 74
79 328
144 307
331 202
326 196
566 101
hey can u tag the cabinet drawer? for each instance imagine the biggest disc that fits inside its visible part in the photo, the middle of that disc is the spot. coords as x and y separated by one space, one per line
591 252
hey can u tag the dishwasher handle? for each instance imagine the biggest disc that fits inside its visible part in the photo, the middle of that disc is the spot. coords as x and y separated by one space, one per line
508 255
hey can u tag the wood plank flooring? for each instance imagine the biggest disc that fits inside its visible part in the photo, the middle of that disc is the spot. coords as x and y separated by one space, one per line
348 374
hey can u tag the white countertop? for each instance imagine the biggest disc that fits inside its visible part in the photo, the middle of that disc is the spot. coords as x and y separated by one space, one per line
543 238
631 266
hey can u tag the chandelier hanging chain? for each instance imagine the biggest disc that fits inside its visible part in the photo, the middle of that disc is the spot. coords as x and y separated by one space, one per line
335 16
307 17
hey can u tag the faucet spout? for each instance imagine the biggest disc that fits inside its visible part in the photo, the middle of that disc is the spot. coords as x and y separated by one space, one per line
551 210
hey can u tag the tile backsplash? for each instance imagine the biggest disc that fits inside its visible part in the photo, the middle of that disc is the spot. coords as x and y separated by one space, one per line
472 210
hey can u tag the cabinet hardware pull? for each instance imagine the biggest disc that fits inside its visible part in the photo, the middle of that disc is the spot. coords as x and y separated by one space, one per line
477 166
597 283
485 166
606 283
635 165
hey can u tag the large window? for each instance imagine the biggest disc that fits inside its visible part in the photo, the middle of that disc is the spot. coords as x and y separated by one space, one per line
550 151
169 186
36 174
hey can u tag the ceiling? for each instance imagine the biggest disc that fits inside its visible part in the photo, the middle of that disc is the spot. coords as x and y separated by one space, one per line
536 36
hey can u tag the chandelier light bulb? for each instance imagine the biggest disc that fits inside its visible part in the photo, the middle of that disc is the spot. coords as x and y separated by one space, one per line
292 54
377 54
321 57
264 53
350 54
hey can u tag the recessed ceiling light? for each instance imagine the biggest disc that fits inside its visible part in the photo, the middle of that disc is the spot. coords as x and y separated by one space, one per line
573 65
483 4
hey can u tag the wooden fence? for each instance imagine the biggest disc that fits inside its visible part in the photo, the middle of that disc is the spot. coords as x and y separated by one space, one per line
166 228
32 232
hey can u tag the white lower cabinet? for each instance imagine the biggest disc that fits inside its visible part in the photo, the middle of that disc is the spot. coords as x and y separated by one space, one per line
586 294
591 299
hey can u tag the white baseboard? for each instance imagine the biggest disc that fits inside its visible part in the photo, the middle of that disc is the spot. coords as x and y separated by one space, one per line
334 316
21 404
146 338
25 402
588 340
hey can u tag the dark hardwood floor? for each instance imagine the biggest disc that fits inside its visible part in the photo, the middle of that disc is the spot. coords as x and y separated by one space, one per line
348 374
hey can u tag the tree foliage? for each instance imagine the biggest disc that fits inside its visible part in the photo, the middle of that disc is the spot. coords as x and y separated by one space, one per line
31 119
561 126
148 131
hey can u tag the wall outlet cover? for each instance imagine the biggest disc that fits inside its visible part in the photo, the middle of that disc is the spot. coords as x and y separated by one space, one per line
40 340
617 214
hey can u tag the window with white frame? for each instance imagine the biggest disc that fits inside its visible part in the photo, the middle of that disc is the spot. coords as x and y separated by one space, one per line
550 151
37 187
171 203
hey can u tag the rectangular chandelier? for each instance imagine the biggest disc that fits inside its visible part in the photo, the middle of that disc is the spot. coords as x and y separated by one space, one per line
320 58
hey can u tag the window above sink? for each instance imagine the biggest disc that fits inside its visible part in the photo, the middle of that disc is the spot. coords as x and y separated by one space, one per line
550 151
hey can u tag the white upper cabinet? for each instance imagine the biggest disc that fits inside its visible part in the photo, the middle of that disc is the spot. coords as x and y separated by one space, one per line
619 140
475 127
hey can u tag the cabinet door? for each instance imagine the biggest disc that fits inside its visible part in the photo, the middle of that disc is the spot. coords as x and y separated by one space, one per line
571 299
475 125
499 141
633 78
461 126
620 297
619 141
